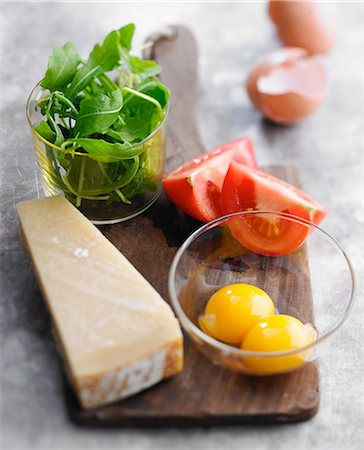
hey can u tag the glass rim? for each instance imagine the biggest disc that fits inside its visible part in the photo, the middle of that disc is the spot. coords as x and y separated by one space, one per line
67 152
188 325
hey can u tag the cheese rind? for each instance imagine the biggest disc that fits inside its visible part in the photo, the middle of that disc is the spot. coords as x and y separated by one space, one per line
128 380
118 336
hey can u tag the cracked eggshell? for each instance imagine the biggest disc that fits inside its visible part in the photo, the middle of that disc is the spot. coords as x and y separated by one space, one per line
288 85
282 57
303 23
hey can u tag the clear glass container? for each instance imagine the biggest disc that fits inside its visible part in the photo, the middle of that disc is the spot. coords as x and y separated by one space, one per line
314 283
99 186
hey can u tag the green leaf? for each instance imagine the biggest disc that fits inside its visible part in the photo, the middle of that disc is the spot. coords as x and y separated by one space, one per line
141 117
143 96
114 135
118 124
62 66
65 102
46 131
152 88
92 89
98 113
139 127
58 132
103 151
126 36
103 58
156 90
145 68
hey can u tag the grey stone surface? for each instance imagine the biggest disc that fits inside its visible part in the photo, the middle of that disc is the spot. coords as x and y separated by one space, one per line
328 148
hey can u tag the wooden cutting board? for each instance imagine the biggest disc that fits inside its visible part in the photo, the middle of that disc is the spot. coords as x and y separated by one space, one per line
203 394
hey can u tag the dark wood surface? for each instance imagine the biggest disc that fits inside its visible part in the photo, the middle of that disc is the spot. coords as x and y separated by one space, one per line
203 394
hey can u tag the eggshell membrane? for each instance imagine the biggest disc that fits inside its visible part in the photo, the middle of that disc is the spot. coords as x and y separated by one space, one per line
282 57
289 94
307 24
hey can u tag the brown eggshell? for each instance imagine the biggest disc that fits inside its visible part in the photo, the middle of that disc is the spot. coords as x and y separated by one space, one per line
282 57
304 23
288 108
289 94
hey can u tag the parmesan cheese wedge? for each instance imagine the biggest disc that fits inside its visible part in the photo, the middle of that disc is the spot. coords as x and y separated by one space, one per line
117 335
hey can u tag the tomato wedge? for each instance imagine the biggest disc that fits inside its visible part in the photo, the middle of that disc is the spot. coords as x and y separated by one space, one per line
195 187
246 189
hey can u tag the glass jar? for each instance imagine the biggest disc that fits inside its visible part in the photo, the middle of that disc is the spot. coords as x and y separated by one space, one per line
106 189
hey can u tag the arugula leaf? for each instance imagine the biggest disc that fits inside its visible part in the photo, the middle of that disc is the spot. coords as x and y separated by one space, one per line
118 124
103 58
62 66
141 117
143 96
152 88
115 135
140 122
126 34
59 136
103 151
65 102
46 131
156 90
145 68
98 113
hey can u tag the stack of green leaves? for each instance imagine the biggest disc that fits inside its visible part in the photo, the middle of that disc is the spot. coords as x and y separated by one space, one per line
88 110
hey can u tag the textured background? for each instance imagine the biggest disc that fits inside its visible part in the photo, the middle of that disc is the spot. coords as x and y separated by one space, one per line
328 148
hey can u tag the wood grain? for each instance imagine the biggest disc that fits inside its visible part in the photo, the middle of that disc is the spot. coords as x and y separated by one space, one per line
203 394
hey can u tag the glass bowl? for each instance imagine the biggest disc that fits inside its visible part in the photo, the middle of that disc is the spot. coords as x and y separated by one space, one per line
314 283
105 189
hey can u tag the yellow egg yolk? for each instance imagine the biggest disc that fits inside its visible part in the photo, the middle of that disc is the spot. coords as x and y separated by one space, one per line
233 310
277 333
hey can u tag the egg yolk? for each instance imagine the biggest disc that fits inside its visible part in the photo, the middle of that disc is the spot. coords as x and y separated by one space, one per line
277 333
233 310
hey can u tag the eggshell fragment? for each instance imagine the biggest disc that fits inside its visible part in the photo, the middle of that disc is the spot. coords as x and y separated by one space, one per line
304 23
288 85
289 94
282 57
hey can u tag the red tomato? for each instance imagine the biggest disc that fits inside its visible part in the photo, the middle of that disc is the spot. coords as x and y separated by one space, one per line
250 189
196 186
